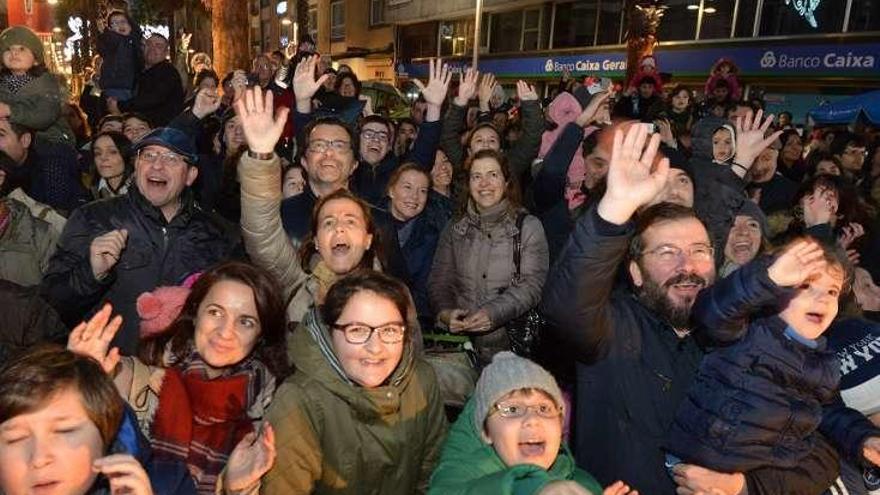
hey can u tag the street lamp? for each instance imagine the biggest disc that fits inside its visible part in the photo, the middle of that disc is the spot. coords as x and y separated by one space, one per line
53 2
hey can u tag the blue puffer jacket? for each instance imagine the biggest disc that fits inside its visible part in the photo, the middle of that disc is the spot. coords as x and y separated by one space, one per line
763 399
166 477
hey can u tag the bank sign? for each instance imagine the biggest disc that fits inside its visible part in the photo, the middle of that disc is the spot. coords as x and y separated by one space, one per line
856 60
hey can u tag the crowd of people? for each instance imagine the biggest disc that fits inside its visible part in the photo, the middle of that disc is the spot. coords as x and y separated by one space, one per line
258 282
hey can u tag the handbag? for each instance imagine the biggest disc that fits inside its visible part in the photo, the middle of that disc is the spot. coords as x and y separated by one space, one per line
454 362
524 331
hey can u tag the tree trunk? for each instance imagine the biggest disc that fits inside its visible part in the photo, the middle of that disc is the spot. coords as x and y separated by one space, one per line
229 30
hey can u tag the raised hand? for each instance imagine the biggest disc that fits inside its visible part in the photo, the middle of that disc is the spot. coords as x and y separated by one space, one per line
487 89
125 474
596 111
619 488
633 180
467 87
185 39
92 338
261 129
113 106
664 128
207 102
866 291
105 250
801 260
526 92
435 92
850 233
750 140
305 85
253 457
871 450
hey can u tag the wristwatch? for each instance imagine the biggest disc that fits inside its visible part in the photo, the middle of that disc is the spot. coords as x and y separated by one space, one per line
260 156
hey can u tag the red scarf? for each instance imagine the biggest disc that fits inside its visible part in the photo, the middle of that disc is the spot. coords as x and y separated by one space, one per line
217 410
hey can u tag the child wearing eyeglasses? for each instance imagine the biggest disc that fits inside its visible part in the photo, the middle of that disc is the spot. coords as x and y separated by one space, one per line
508 438
768 396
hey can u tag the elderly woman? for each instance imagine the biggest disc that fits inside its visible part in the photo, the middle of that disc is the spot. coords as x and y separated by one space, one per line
747 238
476 284
362 413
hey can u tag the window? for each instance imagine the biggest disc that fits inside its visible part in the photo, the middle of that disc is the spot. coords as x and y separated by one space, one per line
575 24
865 16
531 38
377 12
456 37
718 18
783 17
610 20
337 20
745 18
506 32
680 20
313 24
418 40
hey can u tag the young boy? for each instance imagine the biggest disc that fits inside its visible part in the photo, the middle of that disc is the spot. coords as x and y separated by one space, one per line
120 47
760 399
508 438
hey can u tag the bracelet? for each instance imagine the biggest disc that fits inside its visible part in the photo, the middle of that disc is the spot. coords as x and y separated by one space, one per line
743 167
260 156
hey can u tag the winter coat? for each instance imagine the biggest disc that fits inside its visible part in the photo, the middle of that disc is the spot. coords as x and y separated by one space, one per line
473 270
520 155
468 465
333 437
370 182
25 246
633 370
37 105
777 194
759 400
26 320
159 94
157 253
123 58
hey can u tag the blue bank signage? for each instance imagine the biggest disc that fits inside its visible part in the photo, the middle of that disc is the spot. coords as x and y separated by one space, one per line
858 60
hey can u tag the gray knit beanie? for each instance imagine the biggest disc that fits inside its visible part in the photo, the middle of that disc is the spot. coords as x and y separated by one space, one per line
507 373
22 35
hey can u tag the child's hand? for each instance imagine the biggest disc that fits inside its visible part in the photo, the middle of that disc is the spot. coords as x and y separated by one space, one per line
619 488
871 450
800 261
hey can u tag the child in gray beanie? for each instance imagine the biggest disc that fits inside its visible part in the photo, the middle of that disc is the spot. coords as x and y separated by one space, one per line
508 438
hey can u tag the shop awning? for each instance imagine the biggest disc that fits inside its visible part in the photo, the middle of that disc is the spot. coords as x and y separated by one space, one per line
848 110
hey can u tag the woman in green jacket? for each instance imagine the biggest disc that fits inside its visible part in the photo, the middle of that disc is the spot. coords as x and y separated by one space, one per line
361 414
508 439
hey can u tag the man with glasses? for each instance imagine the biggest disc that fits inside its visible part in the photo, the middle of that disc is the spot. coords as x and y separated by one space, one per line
159 93
636 350
115 250
850 149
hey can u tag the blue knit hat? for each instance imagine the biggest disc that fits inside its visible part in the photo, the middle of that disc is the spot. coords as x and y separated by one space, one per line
173 139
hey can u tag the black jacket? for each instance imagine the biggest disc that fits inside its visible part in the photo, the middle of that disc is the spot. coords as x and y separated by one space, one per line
159 94
157 253
26 320
633 370
123 58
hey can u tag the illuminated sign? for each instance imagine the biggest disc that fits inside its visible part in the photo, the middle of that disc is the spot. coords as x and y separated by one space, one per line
806 9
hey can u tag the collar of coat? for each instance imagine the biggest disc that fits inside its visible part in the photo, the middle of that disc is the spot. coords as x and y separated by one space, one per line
187 207
311 353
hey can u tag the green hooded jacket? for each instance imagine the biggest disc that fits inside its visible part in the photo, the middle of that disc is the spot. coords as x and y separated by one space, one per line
38 106
469 466
333 437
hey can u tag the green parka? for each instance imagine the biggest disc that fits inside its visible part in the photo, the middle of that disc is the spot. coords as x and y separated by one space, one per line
38 105
333 437
469 466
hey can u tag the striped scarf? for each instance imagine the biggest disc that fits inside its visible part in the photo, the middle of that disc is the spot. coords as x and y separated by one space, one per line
321 335
222 410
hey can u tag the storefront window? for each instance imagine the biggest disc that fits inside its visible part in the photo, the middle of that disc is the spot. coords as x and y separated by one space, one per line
786 17
717 19
456 37
506 31
575 24
745 18
610 19
865 16
418 40
680 21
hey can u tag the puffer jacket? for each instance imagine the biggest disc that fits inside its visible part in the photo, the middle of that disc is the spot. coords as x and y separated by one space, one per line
37 105
156 253
473 269
26 245
760 400
333 437
469 466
